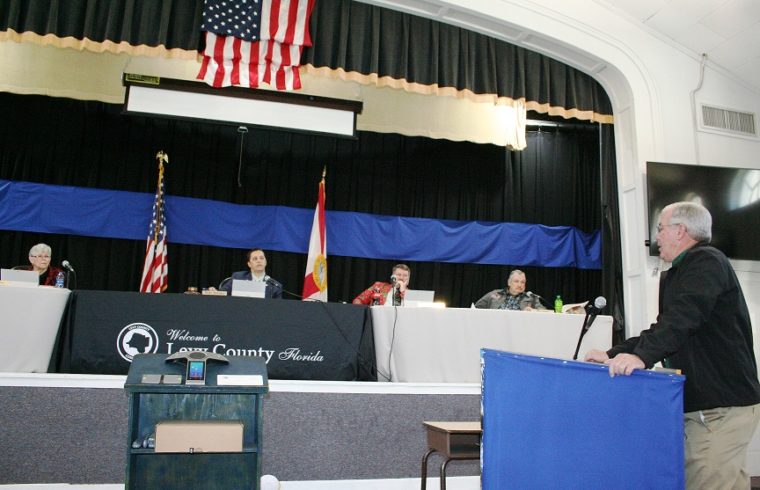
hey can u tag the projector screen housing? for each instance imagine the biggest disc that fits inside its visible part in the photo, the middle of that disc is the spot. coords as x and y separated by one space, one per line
181 99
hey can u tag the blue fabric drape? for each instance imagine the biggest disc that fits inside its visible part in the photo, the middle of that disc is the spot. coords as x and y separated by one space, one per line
26 206
551 423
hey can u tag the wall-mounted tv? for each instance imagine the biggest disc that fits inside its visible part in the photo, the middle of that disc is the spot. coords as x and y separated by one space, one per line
731 194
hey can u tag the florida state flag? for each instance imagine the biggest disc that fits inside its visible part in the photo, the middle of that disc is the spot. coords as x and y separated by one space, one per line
315 280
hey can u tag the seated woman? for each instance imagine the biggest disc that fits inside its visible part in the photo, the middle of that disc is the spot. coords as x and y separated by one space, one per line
40 256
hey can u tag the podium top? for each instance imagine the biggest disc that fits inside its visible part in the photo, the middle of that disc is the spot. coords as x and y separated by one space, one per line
250 371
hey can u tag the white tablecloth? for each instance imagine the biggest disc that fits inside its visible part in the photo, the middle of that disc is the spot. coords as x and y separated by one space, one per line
29 320
442 345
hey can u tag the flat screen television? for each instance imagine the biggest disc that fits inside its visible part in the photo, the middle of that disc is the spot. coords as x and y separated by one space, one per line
731 194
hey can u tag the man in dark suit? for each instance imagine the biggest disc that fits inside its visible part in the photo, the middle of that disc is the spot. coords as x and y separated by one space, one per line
257 264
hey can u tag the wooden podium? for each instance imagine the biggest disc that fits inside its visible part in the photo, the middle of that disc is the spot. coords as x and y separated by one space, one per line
153 402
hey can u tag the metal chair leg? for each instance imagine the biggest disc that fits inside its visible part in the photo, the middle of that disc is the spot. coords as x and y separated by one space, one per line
423 475
443 473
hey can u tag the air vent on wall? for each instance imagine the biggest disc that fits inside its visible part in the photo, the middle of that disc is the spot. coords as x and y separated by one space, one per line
728 121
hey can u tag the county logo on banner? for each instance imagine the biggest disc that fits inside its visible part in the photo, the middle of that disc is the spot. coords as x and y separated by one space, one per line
315 279
136 338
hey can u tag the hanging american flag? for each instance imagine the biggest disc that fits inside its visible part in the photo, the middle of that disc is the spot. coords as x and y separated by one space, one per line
249 42
315 279
156 265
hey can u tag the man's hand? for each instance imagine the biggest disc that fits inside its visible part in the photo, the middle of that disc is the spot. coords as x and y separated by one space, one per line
624 364
596 355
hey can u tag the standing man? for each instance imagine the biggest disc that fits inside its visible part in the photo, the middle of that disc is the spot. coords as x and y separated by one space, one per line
704 330
513 297
381 293
257 265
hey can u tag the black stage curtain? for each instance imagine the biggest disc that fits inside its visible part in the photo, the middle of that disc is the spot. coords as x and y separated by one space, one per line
91 144
612 276
372 42
363 40
173 24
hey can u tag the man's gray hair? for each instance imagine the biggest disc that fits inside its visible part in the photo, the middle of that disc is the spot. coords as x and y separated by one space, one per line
514 273
695 217
41 248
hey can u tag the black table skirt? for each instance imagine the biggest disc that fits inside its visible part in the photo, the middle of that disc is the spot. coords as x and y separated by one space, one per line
305 340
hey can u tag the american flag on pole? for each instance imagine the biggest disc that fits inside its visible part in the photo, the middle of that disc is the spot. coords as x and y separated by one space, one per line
315 279
156 265
249 42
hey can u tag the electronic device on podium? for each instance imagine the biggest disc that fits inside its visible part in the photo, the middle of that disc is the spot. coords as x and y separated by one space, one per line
195 374
20 277
250 289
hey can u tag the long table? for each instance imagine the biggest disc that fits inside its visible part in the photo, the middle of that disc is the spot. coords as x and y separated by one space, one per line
29 321
442 345
298 339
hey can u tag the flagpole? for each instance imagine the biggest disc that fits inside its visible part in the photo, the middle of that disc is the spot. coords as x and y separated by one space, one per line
155 266
162 158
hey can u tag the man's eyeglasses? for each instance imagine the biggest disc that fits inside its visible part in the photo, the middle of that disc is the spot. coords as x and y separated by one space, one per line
662 227
40 256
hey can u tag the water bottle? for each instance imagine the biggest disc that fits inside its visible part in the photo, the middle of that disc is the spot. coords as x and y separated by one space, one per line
558 304
60 279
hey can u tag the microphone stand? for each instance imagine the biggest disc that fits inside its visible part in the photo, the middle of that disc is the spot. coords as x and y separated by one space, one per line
68 274
584 329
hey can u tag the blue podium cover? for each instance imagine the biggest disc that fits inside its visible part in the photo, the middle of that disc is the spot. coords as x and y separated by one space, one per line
550 423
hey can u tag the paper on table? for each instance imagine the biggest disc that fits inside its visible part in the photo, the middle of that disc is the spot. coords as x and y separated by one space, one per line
576 308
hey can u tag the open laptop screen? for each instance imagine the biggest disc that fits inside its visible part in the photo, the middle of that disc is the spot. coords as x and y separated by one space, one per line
30 278
251 289
418 297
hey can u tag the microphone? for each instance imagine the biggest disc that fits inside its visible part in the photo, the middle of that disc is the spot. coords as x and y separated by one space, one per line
269 280
539 298
394 281
66 265
593 309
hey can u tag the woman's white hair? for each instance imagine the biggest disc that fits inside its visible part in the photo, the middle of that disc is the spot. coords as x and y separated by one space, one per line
695 217
41 248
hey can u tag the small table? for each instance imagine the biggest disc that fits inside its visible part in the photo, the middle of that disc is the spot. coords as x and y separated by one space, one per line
453 440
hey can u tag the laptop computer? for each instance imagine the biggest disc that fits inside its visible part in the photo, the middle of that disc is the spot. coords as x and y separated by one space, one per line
20 277
419 297
250 289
